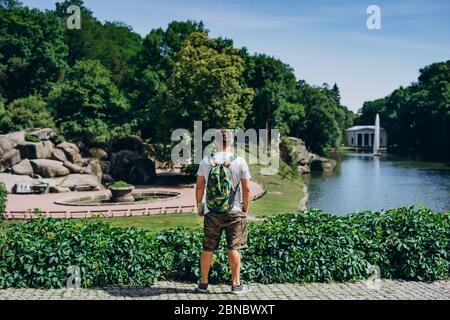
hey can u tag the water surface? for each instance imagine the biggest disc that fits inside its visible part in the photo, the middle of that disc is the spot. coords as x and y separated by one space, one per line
364 182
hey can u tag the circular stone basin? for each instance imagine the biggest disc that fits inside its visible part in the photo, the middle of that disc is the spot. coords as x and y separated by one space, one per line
104 199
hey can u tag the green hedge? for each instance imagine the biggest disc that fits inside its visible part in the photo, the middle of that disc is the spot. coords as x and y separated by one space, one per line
3 197
305 246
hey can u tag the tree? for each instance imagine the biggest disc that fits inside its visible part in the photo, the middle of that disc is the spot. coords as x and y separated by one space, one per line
87 105
205 85
33 52
417 118
273 82
321 128
24 113
114 44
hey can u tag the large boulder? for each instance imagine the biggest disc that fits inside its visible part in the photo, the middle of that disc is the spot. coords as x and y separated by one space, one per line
71 151
5 144
11 157
298 148
35 150
73 167
76 181
10 180
49 168
129 160
59 155
44 134
98 153
322 164
15 137
132 167
93 167
23 168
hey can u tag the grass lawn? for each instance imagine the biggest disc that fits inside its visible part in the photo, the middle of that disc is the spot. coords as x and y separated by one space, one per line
283 195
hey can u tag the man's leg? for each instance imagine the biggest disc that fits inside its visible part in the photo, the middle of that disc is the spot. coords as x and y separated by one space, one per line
205 264
234 258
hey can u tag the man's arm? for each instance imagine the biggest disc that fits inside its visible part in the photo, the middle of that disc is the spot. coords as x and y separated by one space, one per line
245 183
199 191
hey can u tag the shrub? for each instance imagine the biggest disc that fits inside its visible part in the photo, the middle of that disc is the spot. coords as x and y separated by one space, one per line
23 113
32 138
3 198
303 246
120 184
36 254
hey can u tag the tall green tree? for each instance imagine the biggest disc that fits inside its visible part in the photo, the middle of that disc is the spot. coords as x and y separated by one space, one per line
205 85
32 51
87 105
114 44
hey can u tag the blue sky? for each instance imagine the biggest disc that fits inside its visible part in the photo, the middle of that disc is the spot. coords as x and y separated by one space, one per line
324 41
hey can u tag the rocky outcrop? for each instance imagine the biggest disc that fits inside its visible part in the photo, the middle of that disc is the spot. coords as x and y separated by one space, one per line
49 168
295 148
322 164
78 181
129 160
66 165
35 150
48 158
23 168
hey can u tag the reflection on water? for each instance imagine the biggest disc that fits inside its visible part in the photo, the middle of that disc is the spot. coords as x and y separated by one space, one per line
364 182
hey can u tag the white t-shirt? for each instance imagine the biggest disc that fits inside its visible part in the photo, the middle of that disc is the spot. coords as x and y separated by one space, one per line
239 170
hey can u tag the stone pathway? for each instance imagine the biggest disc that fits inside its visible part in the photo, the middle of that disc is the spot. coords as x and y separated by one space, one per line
388 289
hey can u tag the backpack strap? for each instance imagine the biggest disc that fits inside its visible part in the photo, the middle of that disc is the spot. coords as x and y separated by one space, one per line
230 160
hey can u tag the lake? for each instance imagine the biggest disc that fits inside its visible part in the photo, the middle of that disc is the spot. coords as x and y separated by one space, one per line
361 181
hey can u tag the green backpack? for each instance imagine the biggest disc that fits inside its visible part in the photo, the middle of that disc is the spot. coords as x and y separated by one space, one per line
219 190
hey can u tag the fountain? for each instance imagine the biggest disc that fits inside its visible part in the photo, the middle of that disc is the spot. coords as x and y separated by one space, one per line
376 140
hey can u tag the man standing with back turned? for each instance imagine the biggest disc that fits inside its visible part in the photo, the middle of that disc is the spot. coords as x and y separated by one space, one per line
224 175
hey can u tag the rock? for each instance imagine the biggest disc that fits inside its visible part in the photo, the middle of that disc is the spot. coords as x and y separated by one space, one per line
10 180
44 134
65 145
107 179
5 145
322 164
59 155
73 167
304 169
49 168
299 148
71 151
74 181
36 150
23 168
94 168
12 157
58 189
98 153
132 167
16 137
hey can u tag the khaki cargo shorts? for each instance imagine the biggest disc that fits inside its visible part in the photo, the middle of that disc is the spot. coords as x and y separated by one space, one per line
235 226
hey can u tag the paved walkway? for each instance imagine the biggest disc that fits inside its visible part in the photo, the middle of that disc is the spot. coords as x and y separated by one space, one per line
387 289
20 206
